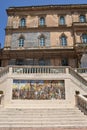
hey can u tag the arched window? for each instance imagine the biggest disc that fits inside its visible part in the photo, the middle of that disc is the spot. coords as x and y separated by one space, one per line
42 41
82 18
63 40
84 38
42 21
21 42
22 22
62 20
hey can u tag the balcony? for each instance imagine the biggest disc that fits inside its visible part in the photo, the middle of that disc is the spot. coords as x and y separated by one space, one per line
17 27
81 47
77 24
47 47
38 51
42 26
38 69
9 27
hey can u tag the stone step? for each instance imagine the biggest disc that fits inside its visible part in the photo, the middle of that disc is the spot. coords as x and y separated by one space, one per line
65 118
41 113
41 128
62 125
38 111
42 118
44 122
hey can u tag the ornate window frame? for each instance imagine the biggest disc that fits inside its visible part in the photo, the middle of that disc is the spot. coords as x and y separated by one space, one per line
84 38
42 23
63 40
22 22
82 18
21 41
62 20
42 40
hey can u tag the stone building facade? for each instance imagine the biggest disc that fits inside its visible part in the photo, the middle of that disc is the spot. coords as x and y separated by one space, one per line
53 35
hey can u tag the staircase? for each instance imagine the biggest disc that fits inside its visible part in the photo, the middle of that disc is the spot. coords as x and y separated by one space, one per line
49 115
67 118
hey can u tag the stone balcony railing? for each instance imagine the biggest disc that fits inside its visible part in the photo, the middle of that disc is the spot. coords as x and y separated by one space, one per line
81 102
38 69
81 45
44 70
79 24
59 47
4 71
82 70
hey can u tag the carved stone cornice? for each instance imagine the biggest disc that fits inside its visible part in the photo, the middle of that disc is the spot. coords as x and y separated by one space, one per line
78 7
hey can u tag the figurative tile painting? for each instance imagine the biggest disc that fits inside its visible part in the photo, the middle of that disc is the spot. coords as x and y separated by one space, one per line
38 89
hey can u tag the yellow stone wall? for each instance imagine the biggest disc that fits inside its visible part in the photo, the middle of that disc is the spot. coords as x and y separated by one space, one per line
55 38
52 20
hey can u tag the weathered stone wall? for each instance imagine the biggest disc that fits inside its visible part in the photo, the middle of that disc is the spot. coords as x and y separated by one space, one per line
31 39
55 38
51 20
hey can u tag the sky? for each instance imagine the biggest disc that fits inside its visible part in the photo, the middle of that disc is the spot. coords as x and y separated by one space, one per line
4 4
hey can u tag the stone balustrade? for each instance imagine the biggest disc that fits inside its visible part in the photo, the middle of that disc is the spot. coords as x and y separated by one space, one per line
79 24
82 103
78 77
38 69
4 71
44 70
81 70
1 96
57 46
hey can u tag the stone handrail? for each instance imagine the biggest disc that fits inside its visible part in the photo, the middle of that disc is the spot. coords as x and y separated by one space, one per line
38 69
79 78
45 70
81 70
4 71
81 102
1 96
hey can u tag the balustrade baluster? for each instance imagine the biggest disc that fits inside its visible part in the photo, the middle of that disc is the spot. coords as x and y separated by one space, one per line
82 103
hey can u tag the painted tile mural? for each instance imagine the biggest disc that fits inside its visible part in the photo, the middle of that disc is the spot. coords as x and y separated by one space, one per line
38 89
